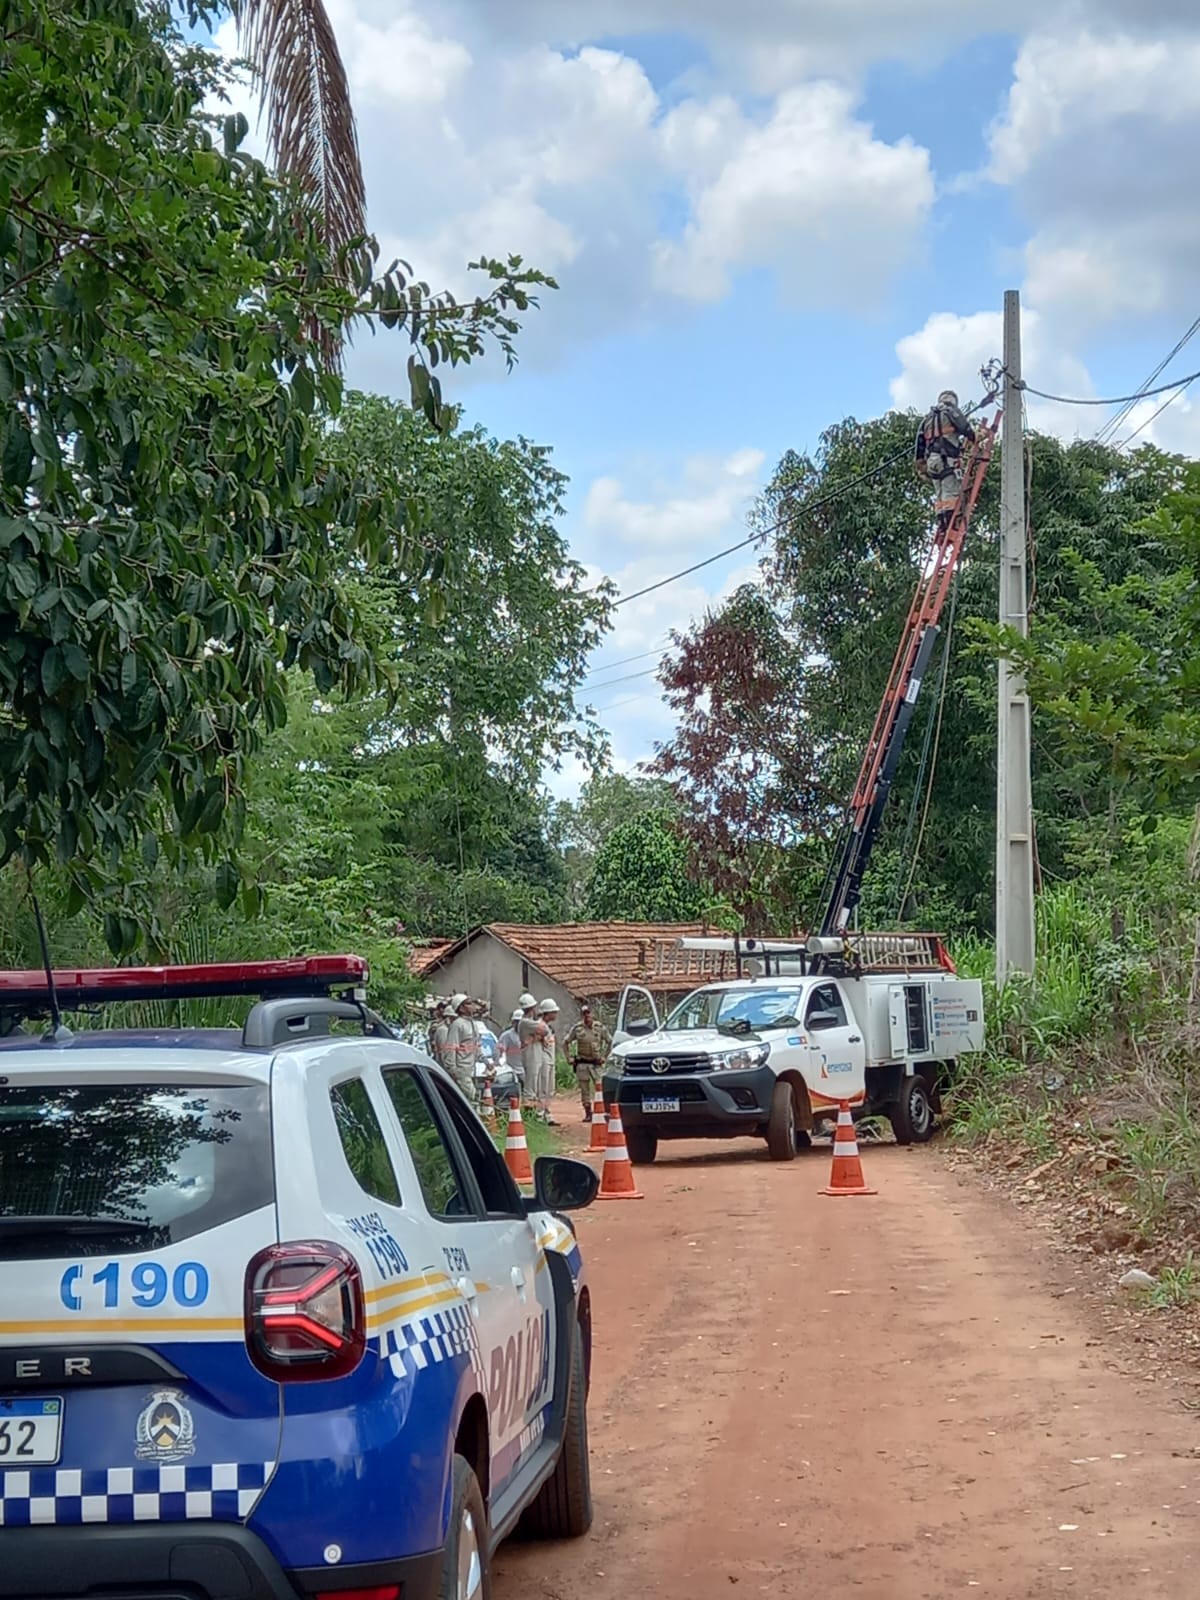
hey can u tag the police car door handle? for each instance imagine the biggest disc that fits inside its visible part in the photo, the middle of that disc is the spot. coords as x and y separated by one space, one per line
518 1278
466 1288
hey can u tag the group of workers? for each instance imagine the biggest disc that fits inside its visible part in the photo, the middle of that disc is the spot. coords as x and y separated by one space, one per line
527 1049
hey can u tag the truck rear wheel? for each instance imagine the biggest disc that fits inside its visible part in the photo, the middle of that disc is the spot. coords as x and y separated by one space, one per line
911 1115
642 1144
781 1128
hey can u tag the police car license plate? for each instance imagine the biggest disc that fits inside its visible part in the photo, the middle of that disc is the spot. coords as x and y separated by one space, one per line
30 1432
661 1103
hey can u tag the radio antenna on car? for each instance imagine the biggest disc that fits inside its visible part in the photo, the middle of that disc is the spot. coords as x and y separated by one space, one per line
58 1031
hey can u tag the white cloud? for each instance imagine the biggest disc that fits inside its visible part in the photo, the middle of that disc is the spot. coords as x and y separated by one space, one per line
403 59
1097 142
478 141
948 351
766 45
1067 84
713 497
810 190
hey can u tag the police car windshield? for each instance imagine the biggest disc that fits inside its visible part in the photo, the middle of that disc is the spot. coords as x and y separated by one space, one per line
737 1011
109 1167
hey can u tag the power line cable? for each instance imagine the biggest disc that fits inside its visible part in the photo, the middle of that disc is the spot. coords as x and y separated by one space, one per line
609 666
806 509
1170 400
628 677
1114 422
1120 400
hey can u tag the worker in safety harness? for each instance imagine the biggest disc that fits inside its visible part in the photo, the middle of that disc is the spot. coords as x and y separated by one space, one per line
938 454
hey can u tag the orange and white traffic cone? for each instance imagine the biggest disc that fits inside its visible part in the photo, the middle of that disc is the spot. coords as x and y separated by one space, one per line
487 1109
516 1151
616 1175
599 1122
847 1174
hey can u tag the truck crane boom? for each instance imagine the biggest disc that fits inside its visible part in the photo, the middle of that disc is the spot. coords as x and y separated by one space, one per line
913 655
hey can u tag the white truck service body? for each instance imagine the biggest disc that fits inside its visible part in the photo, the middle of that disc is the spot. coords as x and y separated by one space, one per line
774 1052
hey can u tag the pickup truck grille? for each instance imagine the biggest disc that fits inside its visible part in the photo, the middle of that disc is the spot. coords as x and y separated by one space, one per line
639 1065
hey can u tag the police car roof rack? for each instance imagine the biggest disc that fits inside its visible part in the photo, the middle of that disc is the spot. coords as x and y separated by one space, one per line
295 996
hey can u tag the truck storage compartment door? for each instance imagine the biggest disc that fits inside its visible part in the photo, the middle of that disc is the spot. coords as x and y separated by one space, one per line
897 1028
956 1013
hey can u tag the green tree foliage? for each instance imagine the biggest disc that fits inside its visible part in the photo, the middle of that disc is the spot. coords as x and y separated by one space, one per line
580 827
750 790
843 577
1113 669
165 502
493 666
641 874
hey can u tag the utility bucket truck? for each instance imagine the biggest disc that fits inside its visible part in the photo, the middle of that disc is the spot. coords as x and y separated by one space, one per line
783 1031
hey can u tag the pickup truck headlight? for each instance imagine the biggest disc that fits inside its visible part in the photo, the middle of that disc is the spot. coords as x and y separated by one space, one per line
743 1060
615 1064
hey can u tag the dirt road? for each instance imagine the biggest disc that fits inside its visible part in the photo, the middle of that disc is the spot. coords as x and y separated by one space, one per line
889 1397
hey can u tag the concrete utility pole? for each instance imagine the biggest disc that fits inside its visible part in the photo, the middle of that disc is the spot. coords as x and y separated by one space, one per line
1014 800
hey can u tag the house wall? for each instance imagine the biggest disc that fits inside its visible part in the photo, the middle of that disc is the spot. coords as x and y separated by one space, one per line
490 970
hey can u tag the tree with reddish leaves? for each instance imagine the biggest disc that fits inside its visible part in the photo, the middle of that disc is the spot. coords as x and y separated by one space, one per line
742 763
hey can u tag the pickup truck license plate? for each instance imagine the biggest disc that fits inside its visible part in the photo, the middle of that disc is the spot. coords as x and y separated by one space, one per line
30 1432
661 1102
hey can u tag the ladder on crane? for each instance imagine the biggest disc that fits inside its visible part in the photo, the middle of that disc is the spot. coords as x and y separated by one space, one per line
882 757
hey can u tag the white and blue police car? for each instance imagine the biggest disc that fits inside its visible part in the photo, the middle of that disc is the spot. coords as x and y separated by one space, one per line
276 1321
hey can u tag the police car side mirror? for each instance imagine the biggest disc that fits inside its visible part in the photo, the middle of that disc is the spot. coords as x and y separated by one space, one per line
560 1184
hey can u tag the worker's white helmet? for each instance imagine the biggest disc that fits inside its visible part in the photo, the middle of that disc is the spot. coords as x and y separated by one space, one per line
525 1001
947 398
457 1000
547 1007
517 1015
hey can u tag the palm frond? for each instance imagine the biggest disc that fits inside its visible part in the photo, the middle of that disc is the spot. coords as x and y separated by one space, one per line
310 121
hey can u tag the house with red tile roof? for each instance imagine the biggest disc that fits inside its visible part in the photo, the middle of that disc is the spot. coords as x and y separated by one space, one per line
567 962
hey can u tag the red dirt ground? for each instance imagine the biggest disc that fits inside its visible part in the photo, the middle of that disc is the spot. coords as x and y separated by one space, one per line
885 1397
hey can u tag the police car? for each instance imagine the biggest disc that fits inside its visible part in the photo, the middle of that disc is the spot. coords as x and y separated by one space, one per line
276 1321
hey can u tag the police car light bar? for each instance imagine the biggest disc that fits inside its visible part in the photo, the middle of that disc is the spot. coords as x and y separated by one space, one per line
29 992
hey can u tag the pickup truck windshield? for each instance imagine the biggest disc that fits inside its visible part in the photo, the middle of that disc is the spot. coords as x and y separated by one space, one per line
737 1010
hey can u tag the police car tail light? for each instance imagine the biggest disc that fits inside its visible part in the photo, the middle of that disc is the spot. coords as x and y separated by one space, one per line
305 1312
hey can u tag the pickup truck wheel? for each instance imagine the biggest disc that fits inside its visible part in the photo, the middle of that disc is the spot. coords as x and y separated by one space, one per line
911 1115
642 1144
466 1568
781 1128
803 1140
563 1508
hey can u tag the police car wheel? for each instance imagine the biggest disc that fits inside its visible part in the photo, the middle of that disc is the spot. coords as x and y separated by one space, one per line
466 1569
563 1508
781 1128
911 1115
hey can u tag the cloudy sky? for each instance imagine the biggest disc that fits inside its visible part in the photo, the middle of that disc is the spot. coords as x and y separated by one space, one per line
766 215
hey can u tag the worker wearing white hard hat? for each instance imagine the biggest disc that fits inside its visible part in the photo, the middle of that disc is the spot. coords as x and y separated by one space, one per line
546 1053
527 1029
509 1047
462 1045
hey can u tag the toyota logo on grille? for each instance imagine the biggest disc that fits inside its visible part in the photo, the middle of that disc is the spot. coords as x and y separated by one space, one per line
660 1064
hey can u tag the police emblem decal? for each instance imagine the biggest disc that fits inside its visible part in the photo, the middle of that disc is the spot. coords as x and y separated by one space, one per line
165 1429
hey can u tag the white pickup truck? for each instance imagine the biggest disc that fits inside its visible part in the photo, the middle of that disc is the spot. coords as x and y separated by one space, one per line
773 1054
